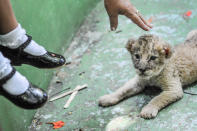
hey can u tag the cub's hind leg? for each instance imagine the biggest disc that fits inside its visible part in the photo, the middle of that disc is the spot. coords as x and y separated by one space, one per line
130 88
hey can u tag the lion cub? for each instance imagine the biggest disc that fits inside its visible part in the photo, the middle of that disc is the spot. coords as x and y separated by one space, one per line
157 64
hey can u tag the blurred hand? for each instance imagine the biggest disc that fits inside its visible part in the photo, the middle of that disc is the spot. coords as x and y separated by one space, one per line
124 7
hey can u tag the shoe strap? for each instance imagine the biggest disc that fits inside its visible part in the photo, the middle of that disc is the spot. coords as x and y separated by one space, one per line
24 45
6 78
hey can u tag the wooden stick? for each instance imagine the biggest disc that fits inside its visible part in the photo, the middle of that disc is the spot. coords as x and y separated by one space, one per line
70 99
68 93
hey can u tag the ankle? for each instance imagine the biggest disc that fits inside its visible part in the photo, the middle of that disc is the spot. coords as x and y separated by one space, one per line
16 85
17 37
14 38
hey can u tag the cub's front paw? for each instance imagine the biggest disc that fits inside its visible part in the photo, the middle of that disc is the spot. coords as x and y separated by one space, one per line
149 112
108 100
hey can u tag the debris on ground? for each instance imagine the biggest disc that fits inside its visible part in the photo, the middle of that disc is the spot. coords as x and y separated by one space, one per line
60 92
187 15
57 125
81 73
70 99
58 82
150 20
75 91
72 92
70 113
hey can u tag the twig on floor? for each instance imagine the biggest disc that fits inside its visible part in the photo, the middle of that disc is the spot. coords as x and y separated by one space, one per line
59 92
68 93
70 99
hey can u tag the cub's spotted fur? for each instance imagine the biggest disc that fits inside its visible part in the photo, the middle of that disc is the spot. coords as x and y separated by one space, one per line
157 64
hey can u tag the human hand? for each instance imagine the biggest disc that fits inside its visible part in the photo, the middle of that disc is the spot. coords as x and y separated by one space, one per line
124 7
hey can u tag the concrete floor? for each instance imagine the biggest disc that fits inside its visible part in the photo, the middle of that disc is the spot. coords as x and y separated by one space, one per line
99 58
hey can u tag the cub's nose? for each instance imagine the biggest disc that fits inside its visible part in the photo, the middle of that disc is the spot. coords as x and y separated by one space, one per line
142 70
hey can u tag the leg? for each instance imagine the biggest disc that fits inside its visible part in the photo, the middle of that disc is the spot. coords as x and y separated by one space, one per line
130 88
13 40
165 98
7 18
16 88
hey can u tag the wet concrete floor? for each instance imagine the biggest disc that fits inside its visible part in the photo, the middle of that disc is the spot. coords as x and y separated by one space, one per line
99 58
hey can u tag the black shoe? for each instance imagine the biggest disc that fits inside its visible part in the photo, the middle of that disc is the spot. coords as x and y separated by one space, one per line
33 97
18 57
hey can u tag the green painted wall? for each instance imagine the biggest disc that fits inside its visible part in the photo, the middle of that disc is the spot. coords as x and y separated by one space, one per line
52 23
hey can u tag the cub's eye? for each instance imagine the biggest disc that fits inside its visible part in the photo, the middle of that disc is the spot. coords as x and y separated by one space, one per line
153 57
137 56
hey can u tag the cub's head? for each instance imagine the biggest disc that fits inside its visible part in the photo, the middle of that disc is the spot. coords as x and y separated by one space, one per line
149 54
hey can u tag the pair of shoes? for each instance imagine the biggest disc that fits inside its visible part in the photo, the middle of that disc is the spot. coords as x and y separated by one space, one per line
18 57
32 98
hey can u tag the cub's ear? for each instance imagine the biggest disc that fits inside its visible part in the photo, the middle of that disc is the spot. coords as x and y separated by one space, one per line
167 50
130 44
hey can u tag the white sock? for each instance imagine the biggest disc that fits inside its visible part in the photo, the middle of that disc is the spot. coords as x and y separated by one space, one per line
5 67
16 85
17 37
